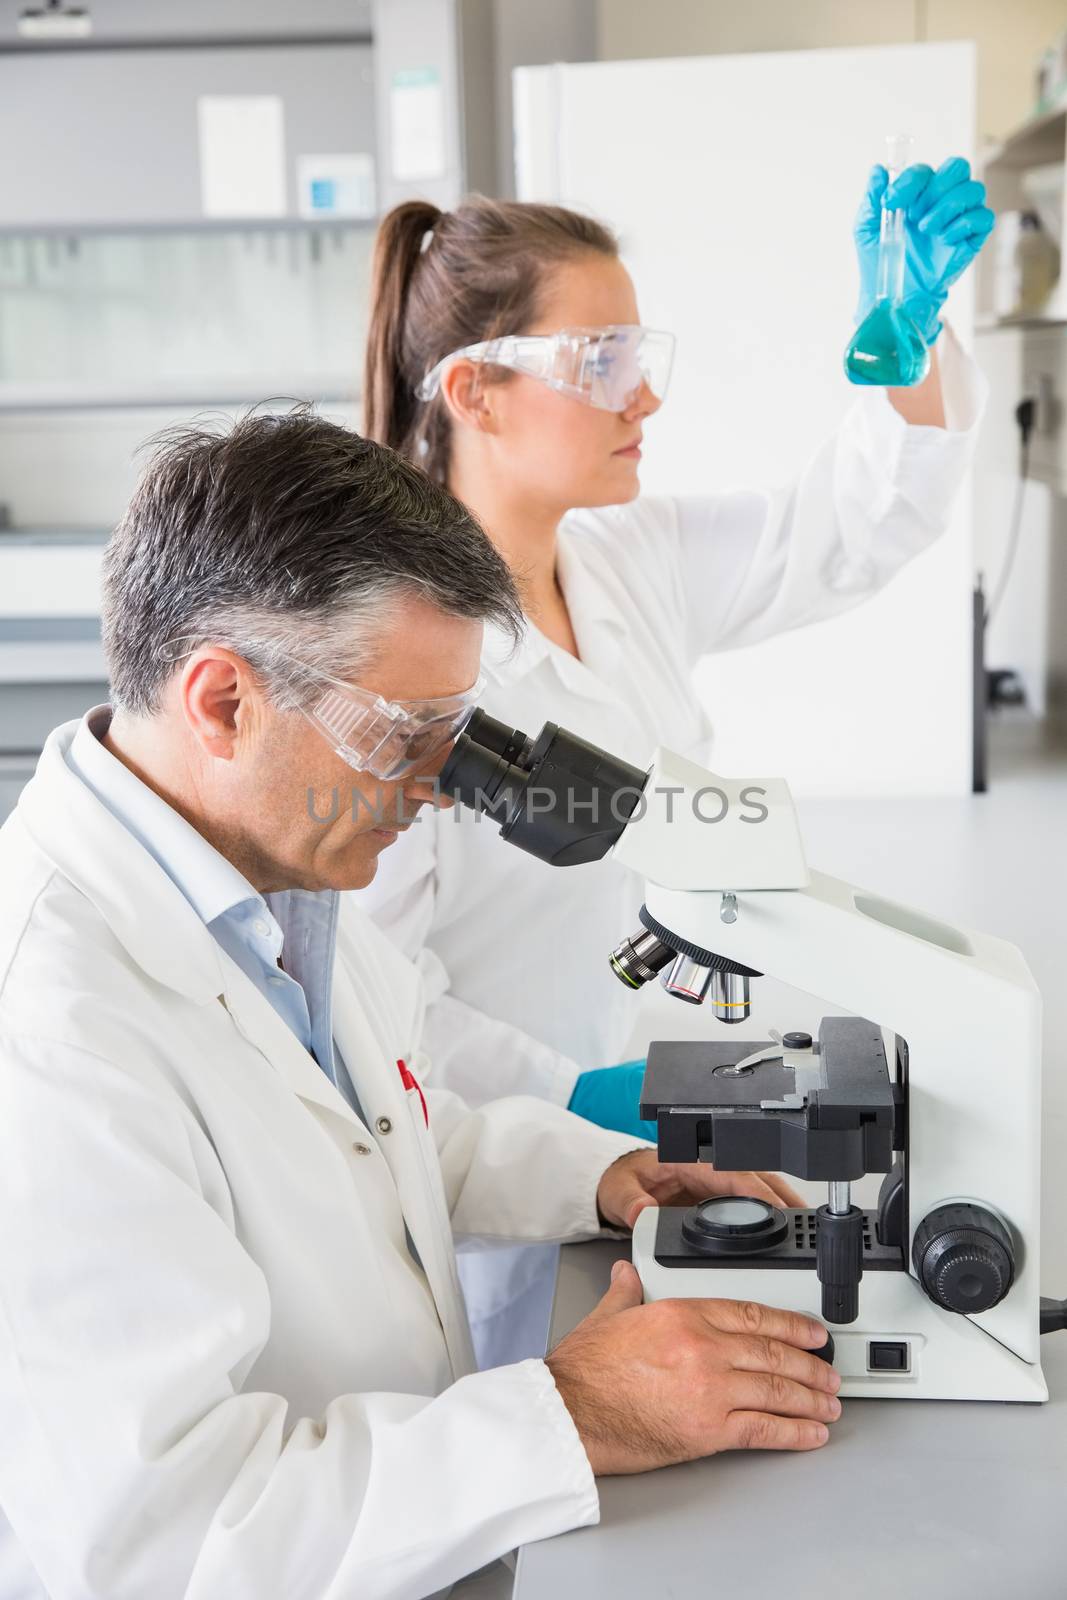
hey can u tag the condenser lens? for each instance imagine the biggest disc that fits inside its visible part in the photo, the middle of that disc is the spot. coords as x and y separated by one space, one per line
734 1225
733 1212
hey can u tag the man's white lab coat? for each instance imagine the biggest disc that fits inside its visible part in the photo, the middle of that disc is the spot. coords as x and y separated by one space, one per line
222 1371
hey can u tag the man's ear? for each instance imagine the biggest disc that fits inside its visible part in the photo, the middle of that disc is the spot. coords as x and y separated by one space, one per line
468 396
216 691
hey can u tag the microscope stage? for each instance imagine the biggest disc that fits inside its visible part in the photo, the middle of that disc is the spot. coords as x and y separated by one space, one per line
829 1112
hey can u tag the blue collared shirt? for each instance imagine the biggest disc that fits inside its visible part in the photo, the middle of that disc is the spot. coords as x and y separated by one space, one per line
256 931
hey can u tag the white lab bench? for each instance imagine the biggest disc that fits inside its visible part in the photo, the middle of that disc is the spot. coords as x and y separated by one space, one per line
910 1500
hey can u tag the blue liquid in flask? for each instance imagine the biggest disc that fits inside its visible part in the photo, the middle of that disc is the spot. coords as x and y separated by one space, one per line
887 348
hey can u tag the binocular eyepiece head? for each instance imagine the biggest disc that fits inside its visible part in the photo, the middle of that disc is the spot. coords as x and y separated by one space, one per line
557 796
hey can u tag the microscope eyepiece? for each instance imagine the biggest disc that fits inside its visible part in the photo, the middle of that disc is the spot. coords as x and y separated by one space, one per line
557 796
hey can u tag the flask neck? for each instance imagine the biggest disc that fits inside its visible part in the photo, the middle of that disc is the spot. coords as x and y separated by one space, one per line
891 256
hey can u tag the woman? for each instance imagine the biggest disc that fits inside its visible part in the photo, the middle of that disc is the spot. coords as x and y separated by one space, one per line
541 437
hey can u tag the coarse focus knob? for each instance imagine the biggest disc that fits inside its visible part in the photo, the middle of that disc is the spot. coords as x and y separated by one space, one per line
964 1258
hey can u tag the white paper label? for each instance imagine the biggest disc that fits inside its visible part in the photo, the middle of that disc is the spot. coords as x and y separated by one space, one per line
336 186
417 124
242 155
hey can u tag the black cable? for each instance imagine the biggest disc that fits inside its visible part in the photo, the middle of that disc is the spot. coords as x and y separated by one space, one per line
1024 416
1053 1315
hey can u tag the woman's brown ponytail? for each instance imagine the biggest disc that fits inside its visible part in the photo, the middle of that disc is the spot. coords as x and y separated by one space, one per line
480 274
388 400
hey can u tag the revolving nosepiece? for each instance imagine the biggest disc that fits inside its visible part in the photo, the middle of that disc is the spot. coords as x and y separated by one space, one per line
692 972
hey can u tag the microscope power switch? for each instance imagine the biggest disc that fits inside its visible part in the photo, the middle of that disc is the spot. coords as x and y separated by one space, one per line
888 1355
964 1258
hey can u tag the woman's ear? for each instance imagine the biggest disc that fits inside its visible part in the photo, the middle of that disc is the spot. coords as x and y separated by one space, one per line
468 396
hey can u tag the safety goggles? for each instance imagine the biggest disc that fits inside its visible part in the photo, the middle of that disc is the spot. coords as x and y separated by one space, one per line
390 739
603 367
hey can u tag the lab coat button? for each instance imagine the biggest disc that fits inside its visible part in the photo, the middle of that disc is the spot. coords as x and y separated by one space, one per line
383 1125
362 1149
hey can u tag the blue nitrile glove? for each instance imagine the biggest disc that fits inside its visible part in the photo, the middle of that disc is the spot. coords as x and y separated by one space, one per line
610 1097
947 223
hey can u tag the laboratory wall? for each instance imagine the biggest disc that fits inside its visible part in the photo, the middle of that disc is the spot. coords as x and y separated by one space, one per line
199 19
1009 35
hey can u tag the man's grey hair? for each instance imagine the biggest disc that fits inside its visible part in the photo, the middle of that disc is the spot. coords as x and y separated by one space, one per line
290 541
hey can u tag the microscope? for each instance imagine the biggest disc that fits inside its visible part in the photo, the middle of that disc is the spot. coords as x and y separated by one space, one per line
931 1080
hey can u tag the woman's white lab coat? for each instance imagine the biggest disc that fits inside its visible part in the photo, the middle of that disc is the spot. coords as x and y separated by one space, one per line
222 1372
521 997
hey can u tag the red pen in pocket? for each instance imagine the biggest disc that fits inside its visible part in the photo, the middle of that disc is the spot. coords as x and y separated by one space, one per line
409 1080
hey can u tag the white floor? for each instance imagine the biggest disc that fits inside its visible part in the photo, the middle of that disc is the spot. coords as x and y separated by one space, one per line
995 862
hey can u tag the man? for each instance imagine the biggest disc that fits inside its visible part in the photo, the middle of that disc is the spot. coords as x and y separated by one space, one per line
233 1354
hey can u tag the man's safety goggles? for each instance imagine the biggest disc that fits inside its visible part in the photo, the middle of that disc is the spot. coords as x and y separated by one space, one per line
390 739
604 367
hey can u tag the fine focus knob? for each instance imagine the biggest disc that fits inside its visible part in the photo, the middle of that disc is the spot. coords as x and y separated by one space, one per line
964 1258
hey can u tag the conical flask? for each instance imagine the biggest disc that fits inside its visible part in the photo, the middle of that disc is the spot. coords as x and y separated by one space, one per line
887 348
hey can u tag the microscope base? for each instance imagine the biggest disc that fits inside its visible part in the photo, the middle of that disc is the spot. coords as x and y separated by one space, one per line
901 1346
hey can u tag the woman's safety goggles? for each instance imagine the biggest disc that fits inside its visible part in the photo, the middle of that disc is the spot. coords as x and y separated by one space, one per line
604 367
388 738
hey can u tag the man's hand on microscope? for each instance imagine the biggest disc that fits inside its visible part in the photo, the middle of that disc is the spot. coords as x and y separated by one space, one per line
650 1385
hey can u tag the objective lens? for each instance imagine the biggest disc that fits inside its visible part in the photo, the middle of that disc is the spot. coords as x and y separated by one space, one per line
637 960
730 1000
688 980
